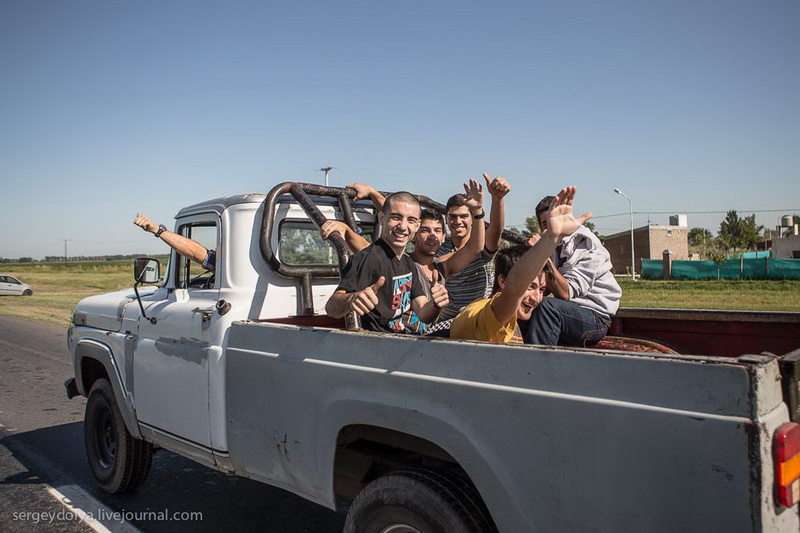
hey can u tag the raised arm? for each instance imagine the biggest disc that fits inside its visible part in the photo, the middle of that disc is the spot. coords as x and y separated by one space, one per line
354 241
556 282
184 246
368 191
560 223
461 258
498 188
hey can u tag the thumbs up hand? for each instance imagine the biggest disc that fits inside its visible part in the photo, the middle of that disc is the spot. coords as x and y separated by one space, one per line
497 187
439 294
365 300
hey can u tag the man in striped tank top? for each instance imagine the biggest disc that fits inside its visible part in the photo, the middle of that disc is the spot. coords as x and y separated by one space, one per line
476 279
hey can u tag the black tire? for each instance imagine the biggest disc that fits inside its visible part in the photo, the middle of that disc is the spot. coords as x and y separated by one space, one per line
119 462
27 292
411 501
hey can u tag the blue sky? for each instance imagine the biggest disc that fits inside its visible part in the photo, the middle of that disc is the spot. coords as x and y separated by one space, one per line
109 107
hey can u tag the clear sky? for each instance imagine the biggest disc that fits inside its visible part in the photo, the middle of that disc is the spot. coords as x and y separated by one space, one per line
112 107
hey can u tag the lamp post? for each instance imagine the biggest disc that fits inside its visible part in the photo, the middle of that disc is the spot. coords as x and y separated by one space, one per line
630 204
326 170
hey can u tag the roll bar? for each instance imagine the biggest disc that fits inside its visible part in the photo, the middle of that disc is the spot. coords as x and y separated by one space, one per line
303 193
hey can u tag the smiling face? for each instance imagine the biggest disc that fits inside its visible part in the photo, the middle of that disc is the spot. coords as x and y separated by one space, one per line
459 221
399 222
429 237
532 298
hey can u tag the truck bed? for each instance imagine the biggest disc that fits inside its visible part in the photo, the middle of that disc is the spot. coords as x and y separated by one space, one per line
553 438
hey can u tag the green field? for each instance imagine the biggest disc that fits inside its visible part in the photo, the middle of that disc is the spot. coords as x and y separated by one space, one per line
59 287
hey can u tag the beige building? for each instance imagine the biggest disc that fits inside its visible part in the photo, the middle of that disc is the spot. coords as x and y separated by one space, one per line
649 243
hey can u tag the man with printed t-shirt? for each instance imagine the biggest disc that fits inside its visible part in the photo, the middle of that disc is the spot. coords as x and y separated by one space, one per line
380 283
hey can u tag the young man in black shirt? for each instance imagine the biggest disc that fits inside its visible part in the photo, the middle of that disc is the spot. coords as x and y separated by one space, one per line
380 282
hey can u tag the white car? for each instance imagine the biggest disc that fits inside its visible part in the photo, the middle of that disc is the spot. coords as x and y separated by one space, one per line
11 285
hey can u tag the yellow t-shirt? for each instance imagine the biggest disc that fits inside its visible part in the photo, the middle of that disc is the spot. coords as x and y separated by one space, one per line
478 322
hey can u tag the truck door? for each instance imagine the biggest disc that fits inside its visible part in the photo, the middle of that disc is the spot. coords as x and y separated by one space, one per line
171 361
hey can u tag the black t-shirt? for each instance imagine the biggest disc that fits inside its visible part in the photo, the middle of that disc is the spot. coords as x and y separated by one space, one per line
402 285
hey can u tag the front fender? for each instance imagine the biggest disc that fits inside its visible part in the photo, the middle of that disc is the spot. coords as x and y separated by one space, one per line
87 350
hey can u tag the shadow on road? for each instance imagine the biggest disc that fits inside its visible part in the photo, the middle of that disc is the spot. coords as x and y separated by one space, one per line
175 488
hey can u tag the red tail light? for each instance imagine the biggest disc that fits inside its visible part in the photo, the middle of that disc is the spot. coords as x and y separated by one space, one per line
787 463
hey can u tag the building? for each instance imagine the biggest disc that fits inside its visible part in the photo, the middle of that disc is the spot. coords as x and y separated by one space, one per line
786 247
649 243
787 243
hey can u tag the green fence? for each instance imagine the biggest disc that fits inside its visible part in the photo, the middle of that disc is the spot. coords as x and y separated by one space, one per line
762 268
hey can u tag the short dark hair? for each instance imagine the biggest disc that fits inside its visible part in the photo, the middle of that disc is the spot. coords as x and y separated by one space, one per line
544 205
399 196
505 259
457 200
430 214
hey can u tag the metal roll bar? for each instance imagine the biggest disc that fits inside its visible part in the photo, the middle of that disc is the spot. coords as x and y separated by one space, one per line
302 193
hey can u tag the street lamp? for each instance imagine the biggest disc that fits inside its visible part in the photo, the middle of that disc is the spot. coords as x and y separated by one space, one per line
326 170
633 261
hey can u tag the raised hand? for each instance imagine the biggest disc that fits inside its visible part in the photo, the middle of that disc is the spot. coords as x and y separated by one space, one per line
439 294
362 190
560 219
364 301
533 239
333 226
145 223
497 187
474 195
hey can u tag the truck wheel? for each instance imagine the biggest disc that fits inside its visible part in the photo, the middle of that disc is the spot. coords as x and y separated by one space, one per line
118 461
416 501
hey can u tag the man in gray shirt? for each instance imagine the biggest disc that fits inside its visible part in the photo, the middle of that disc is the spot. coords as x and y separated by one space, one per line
586 294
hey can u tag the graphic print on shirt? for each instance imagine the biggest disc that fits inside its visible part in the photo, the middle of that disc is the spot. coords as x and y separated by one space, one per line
401 300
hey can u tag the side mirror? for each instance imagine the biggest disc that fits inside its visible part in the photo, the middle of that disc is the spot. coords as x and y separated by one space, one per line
146 270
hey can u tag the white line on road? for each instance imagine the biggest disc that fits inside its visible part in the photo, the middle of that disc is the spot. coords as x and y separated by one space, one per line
69 503
73 497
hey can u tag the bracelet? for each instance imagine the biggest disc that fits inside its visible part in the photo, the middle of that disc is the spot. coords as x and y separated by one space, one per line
161 229
481 215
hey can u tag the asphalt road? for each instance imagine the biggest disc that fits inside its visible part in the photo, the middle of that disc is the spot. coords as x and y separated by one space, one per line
43 462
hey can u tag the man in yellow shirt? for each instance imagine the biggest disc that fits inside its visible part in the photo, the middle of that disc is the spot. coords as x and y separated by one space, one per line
519 282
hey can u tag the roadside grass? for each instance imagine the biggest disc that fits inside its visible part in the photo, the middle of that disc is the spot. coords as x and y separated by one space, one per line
747 295
58 287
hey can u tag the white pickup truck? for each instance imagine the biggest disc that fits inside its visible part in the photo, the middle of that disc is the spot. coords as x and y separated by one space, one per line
239 369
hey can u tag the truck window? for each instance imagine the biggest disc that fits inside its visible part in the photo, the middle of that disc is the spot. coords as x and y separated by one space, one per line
301 244
190 274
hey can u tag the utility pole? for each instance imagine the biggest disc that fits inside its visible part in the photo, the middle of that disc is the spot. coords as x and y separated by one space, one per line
65 250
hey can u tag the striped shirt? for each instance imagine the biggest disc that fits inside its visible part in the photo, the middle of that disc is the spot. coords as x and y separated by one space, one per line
472 283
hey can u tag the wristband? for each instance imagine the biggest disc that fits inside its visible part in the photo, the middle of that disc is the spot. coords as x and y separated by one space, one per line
161 229
481 215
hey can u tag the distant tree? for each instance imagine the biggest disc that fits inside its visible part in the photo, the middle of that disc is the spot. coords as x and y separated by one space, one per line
736 233
700 237
532 224
26 259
